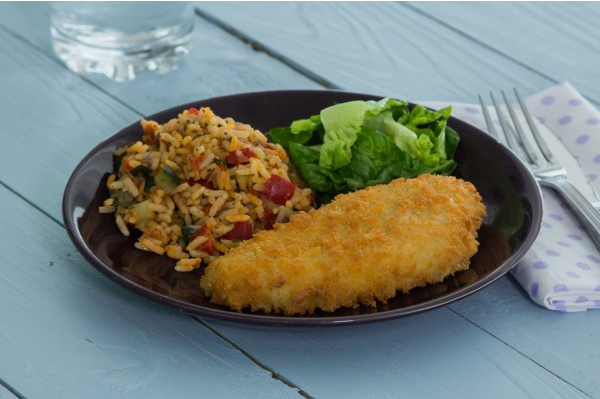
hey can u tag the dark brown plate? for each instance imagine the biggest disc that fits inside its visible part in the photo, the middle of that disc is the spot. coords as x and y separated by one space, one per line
510 193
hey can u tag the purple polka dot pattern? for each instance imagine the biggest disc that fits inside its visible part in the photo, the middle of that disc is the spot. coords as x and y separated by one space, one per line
552 252
539 265
548 100
533 289
592 121
559 306
583 266
584 138
560 287
554 273
593 258
555 216
565 119
562 269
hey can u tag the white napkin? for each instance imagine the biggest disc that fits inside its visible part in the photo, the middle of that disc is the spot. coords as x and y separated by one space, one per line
562 269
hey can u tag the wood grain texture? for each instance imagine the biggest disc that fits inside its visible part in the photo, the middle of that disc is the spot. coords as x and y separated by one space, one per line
6 394
45 134
567 345
381 48
560 40
68 332
67 125
432 355
305 37
217 65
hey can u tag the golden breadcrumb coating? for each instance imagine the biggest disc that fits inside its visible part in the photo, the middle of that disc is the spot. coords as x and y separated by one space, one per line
361 247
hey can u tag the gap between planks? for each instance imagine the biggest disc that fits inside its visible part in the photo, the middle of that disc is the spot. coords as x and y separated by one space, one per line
518 351
483 44
248 355
257 46
63 66
10 390
255 360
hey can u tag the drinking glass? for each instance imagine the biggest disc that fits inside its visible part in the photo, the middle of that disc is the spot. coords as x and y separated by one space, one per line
121 39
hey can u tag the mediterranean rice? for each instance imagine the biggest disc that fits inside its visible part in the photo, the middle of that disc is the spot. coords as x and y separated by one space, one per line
199 184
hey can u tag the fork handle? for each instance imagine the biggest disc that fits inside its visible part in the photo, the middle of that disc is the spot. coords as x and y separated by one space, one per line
583 209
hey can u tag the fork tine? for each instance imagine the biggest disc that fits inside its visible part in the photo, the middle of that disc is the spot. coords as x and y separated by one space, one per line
536 134
509 133
550 174
529 150
488 119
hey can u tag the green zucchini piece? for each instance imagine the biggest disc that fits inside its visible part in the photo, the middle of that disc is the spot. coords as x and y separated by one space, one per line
167 179
141 170
145 172
142 211
187 232
148 183
121 198
117 159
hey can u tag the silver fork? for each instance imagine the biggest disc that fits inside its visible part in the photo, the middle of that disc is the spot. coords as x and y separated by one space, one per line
541 162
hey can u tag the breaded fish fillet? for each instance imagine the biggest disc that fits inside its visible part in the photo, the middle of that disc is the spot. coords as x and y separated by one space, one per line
361 247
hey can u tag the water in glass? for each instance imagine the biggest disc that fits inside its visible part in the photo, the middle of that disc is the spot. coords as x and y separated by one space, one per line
121 39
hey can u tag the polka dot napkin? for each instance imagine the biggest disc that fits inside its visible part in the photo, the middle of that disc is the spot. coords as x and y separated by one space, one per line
561 271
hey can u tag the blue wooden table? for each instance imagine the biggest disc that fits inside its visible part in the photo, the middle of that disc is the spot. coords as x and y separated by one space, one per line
68 332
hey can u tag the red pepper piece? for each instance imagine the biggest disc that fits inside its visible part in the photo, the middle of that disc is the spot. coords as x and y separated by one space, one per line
240 157
202 182
268 219
208 245
278 190
240 231
195 162
249 152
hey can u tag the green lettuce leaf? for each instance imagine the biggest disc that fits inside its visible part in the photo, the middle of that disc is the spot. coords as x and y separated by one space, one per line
341 123
356 144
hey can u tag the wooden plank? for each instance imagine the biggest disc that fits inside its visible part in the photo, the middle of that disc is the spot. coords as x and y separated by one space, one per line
567 345
381 48
217 65
317 344
68 332
562 38
432 355
305 35
46 133
68 126
82 119
5 393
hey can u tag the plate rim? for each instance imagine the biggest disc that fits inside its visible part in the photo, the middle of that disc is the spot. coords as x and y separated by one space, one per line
280 320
